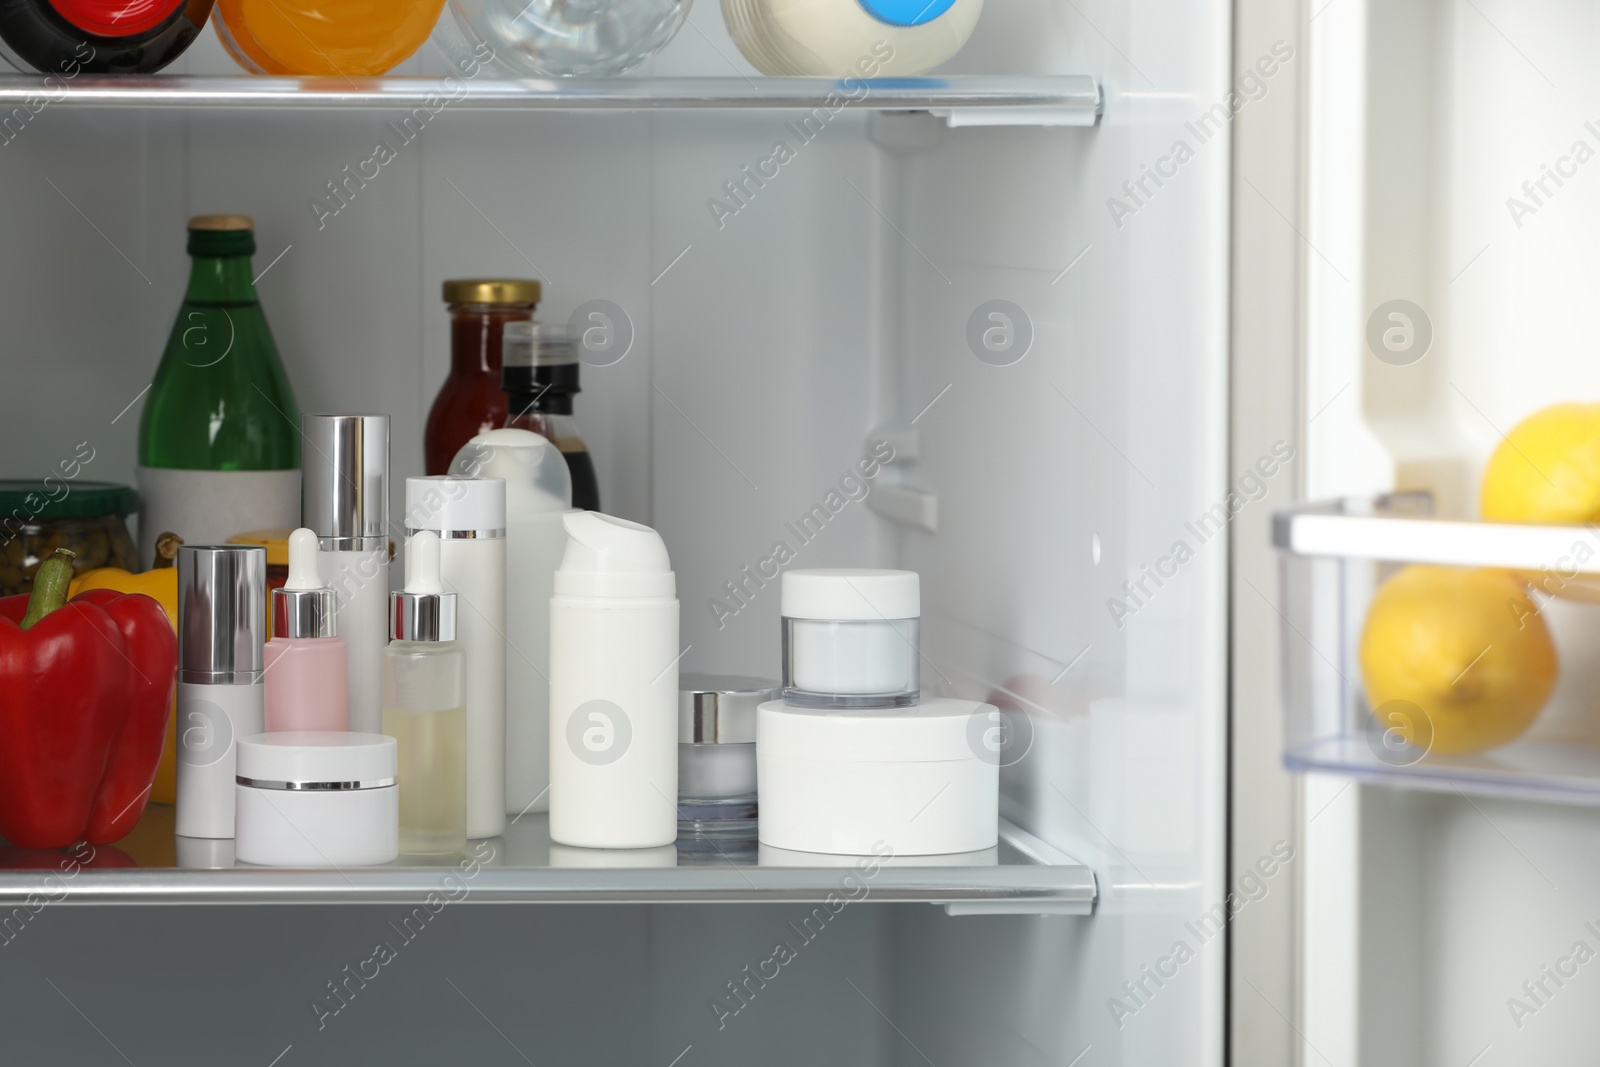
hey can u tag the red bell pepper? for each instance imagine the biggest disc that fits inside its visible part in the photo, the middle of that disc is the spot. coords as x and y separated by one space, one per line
85 690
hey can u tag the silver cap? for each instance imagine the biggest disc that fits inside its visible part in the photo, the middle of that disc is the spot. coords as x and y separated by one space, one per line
422 616
719 709
303 613
222 613
344 481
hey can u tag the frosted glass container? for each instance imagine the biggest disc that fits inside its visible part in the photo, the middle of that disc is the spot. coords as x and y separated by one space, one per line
304 684
424 710
717 755
716 771
850 637
833 663
559 38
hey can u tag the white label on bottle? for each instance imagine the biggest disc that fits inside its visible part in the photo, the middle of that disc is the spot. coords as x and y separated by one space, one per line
208 507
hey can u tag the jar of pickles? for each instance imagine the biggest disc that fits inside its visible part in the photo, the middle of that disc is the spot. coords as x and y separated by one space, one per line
38 517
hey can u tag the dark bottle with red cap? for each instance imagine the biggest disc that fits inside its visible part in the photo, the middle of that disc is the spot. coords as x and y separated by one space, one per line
69 37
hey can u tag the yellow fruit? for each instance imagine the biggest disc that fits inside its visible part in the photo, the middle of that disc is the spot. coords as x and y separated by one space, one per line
1468 648
1547 469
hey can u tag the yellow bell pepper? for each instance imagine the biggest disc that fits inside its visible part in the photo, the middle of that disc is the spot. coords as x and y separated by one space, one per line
161 584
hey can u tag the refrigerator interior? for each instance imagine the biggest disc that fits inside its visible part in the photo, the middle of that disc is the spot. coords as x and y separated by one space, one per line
769 353
1444 170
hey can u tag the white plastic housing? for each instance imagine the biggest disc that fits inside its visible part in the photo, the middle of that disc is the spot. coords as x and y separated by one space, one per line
349 828
538 494
211 719
914 780
613 688
476 572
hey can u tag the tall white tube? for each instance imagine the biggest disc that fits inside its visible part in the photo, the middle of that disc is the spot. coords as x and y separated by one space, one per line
344 461
613 687
222 619
360 584
469 516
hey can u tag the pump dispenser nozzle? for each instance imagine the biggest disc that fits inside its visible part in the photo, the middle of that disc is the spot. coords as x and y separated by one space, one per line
611 557
424 611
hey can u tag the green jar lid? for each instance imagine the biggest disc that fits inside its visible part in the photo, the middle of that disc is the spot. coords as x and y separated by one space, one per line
30 500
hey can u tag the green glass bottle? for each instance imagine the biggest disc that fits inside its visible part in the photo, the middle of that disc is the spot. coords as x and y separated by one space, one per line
219 439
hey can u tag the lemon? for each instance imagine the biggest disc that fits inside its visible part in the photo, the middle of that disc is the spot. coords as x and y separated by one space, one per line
1547 469
1465 652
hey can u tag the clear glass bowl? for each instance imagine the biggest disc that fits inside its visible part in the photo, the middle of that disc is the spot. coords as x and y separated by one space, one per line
561 38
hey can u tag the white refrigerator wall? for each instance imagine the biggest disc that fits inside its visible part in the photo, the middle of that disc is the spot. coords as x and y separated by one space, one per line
1083 485
1425 915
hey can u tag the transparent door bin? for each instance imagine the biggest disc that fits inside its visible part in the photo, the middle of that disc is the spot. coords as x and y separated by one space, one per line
1483 651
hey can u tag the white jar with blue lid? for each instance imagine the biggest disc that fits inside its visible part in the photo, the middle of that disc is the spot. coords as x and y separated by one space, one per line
850 38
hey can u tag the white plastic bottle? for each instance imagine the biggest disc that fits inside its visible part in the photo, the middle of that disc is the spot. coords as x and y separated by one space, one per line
469 515
850 39
613 687
222 624
538 494
344 461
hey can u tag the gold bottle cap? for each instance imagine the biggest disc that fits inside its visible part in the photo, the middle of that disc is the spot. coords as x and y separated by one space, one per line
222 222
492 291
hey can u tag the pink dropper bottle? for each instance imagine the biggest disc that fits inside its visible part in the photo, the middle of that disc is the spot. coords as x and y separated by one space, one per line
306 663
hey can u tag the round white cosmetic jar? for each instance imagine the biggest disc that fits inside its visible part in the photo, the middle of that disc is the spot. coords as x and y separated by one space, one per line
850 638
310 799
915 781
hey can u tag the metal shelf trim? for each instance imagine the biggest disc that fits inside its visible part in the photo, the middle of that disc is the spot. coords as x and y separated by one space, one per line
1018 882
1069 99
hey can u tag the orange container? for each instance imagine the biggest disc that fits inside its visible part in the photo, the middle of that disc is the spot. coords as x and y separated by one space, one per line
339 38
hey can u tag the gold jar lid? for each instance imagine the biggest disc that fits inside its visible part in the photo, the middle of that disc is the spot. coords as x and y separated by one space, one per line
222 222
492 291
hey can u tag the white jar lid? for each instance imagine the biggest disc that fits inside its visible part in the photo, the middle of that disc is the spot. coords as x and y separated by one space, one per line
851 593
446 504
937 729
308 756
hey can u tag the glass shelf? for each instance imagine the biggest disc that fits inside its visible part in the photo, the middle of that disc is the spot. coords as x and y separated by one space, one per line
1335 557
1058 100
1023 875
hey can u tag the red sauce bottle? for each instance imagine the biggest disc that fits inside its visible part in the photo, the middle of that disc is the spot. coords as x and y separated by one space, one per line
69 37
471 401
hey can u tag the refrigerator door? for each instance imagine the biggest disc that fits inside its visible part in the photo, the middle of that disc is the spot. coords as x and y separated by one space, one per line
1443 265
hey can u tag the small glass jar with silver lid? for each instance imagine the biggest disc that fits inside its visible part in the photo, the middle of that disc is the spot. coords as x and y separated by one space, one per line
717 795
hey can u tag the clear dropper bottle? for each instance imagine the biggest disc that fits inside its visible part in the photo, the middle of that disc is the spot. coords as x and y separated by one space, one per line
424 706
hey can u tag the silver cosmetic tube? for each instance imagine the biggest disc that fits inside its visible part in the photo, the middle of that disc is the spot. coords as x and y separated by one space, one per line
345 502
222 623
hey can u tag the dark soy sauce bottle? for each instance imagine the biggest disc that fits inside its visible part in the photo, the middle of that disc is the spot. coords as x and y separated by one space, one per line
71 37
540 377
